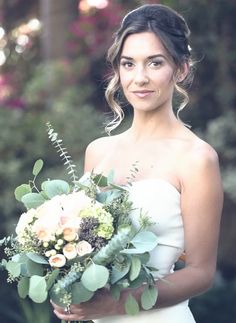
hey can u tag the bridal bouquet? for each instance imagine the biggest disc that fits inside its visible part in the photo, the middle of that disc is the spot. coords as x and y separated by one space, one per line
75 238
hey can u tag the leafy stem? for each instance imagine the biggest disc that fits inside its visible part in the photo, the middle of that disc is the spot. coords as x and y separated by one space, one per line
63 153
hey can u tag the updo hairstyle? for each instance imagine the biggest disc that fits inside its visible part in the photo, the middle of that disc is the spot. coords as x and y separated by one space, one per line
171 28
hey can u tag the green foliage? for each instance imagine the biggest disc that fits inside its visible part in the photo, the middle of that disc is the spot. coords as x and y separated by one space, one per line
55 187
142 242
80 294
131 305
38 289
149 297
116 244
95 277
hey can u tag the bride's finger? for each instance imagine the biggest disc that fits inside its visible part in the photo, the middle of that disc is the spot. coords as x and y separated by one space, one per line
67 317
58 308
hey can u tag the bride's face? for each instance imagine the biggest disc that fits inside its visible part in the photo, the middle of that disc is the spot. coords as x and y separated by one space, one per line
146 72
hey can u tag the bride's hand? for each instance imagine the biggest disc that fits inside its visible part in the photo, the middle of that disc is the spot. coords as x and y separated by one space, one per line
102 304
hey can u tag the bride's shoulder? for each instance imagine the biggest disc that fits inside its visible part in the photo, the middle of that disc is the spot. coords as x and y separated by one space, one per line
101 144
98 148
200 156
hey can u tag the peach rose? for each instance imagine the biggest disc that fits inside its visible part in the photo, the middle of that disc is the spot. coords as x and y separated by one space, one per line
57 261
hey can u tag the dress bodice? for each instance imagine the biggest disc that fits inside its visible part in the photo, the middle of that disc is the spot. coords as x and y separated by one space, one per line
160 200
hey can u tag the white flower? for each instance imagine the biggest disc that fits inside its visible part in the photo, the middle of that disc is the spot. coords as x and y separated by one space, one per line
25 220
57 261
70 251
83 248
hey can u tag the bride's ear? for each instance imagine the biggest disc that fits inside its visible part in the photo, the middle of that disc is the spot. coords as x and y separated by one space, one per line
182 73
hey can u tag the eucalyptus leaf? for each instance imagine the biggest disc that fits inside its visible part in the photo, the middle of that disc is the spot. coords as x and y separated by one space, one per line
95 277
32 200
149 297
139 281
145 257
33 268
117 274
20 257
23 287
106 254
112 194
110 177
38 165
55 187
102 197
131 305
37 258
57 295
100 180
14 268
22 190
145 241
115 291
38 289
52 278
80 294
135 268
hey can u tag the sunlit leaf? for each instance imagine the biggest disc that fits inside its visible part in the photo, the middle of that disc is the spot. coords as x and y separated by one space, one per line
131 305
32 200
149 297
95 277
22 190
55 187
14 268
38 165
38 289
135 268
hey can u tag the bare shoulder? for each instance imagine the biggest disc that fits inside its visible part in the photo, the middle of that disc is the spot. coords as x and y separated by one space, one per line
200 154
97 149
200 163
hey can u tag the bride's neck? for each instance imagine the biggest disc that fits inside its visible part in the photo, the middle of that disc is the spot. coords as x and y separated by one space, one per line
150 126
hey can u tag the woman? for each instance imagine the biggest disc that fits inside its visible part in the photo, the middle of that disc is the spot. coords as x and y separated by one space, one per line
178 182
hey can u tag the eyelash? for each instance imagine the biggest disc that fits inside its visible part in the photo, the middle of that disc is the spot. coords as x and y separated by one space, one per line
128 64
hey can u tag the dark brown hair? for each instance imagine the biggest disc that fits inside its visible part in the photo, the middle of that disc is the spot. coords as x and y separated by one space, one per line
171 28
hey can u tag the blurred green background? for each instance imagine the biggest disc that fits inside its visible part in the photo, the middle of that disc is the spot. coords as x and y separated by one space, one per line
52 68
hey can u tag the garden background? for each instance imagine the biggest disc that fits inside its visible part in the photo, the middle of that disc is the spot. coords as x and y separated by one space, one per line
53 68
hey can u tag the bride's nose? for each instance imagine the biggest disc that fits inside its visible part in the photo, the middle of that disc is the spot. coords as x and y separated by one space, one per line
141 77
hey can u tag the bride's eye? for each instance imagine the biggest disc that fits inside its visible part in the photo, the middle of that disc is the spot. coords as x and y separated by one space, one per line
126 64
156 63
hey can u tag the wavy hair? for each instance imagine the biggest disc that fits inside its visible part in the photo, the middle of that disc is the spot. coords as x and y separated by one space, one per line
171 28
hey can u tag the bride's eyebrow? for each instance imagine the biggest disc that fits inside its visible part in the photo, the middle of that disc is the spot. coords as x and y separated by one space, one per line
149 57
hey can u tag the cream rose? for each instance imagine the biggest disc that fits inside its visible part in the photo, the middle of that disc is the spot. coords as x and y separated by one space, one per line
70 234
83 248
69 251
57 261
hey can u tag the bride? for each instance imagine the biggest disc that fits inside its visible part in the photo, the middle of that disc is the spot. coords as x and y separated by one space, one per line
178 182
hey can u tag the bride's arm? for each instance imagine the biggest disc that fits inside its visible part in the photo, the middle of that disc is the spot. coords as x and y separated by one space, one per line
201 205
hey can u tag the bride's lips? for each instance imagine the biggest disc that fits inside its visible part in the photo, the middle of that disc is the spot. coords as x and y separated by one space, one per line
142 93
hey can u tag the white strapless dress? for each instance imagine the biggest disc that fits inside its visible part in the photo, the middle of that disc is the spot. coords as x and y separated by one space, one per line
162 202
